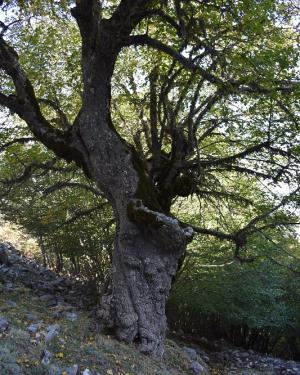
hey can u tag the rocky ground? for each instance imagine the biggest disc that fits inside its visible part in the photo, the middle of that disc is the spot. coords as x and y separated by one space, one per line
46 328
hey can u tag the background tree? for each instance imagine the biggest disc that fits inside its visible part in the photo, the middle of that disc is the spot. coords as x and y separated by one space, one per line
216 101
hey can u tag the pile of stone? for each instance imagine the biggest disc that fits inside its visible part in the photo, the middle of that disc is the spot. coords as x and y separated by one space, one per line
234 359
17 269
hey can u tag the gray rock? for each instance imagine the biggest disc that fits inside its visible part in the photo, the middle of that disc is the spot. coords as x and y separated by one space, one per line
8 306
31 317
197 368
46 357
52 331
50 298
3 255
73 370
244 355
55 370
87 372
9 286
33 328
46 297
53 327
72 316
190 352
8 363
50 335
4 325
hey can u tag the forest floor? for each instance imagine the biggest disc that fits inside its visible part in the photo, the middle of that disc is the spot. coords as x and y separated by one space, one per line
46 328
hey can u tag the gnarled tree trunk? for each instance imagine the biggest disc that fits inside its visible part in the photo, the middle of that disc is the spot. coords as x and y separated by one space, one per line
148 243
144 263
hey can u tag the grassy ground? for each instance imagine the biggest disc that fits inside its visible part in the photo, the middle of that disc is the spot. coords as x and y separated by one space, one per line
77 343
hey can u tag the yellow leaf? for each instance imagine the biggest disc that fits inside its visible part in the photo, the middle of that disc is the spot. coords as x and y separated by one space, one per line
59 355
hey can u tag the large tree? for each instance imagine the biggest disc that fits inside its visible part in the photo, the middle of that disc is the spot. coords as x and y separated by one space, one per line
212 87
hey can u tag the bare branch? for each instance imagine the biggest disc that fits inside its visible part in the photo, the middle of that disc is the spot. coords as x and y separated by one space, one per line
25 104
146 40
229 159
165 17
29 170
27 173
83 213
77 185
250 227
62 116
155 146
245 170
210 232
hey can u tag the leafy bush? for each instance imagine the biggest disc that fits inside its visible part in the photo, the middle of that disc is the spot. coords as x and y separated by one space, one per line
255 305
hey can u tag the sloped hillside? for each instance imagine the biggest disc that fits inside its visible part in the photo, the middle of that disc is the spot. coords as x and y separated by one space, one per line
46 328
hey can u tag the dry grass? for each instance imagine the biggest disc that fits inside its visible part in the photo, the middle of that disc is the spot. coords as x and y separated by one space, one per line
19 239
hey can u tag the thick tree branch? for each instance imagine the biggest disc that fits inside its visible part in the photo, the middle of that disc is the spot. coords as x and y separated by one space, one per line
87 15
26 174
166 18
64 122
242 154
146 40
128 14
163 225
30 169
82 213
244 170
210 232
76 185
25 104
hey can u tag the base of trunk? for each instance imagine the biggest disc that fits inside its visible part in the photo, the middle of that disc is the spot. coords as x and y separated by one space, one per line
145 261
135 309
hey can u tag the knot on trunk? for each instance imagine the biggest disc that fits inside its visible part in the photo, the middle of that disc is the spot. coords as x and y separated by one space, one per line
167 229
105 312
